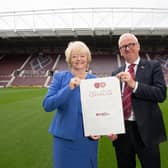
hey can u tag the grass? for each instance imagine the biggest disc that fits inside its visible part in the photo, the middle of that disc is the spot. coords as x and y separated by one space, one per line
24 140
23 126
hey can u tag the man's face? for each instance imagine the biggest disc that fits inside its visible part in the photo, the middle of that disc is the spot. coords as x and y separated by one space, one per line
129 48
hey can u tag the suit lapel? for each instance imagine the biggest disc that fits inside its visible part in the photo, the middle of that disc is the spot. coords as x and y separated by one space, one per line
140 69
122 69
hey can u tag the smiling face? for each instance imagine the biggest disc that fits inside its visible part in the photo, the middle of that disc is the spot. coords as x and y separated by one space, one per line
129 47
78 55
79 59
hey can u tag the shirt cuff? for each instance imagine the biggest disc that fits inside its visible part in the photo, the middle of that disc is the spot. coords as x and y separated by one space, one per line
135 88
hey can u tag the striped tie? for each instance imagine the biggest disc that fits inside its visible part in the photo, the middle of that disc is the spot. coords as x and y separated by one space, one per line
127 95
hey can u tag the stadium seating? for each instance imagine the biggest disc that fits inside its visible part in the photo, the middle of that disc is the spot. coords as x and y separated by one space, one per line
103 64
36 70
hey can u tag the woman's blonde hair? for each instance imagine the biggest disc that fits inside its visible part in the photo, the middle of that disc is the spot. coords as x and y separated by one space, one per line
79 45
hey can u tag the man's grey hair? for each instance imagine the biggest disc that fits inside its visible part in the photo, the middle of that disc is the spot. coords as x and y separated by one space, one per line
127 35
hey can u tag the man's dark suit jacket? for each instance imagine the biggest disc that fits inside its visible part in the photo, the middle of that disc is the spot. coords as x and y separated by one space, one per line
151 90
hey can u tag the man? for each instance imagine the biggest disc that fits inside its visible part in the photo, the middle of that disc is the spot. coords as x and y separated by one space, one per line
144 123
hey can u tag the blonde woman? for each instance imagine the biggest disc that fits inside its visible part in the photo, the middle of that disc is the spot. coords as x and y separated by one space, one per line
70 147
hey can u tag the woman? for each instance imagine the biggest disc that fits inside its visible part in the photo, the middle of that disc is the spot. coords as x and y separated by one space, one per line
71 149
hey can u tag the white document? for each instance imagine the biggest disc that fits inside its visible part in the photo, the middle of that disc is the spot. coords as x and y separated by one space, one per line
102 106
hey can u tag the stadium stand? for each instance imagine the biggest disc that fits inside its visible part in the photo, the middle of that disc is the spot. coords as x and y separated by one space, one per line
103 63
37 70
31 53
8 67
62 65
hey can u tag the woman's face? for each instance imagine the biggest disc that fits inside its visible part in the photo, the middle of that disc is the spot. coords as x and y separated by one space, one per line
79 60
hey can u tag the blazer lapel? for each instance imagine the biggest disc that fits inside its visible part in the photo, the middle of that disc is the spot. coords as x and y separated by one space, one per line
122 69
140 69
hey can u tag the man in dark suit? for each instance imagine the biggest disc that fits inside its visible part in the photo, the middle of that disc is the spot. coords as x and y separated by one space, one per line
144 124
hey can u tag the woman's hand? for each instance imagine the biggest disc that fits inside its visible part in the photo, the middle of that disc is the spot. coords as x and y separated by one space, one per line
95 137
74 82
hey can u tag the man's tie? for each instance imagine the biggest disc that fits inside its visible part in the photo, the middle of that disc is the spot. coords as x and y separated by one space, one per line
127 95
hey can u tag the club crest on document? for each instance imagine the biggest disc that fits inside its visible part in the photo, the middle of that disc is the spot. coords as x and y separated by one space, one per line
99 84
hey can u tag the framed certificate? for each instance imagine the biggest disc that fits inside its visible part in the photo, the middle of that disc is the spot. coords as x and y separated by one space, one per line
102 106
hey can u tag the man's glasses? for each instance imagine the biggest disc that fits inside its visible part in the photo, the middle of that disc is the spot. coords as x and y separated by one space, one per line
129 45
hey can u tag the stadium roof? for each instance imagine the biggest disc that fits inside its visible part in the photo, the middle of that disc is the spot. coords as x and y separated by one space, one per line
84 22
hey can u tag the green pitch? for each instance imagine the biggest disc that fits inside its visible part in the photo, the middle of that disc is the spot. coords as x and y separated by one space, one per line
24 138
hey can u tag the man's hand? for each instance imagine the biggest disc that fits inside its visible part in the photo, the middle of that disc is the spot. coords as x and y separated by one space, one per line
126 77
112 137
